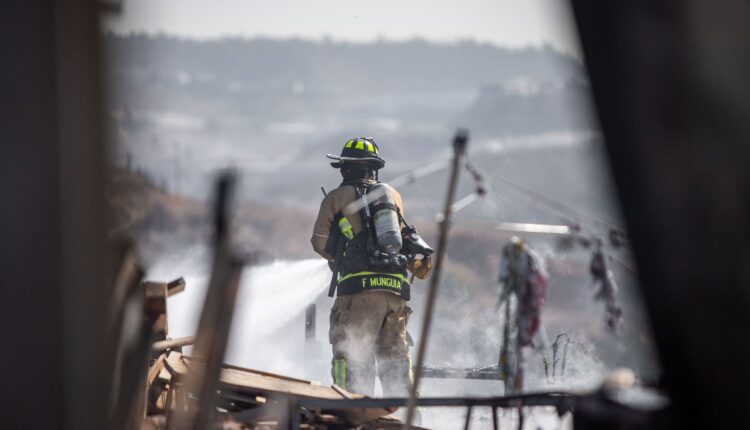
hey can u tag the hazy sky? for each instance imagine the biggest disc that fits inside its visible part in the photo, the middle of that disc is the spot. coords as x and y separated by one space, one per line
503 22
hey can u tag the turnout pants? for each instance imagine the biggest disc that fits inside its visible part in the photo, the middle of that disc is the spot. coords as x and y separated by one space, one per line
368 336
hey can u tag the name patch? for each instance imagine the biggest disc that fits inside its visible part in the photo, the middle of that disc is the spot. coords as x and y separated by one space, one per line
381 282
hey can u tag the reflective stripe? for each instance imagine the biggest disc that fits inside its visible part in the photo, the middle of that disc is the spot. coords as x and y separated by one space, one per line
339 373
354 283
351 275
411 372
346 228
362 144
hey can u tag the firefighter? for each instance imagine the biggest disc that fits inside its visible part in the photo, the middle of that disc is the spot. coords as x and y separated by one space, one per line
521 274
359 231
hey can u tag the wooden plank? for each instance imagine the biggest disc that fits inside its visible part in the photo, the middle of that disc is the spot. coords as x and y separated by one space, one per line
254 382
156 305
250 381
176 286
153 372
174 363
155 290
164 375
257 383
362 415
261 372
345 394
263 383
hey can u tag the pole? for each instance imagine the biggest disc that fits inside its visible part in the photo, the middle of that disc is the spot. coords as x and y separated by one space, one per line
216 315
504 362
164 345
460 141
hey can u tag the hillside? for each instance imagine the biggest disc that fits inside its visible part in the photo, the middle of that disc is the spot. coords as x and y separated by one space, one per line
182 109
161 222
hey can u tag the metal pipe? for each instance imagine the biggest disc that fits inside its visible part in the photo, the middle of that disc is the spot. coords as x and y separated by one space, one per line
460 141
556 399
164 345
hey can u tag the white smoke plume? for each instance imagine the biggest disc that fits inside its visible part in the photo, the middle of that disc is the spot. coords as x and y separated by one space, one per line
268 324
268 334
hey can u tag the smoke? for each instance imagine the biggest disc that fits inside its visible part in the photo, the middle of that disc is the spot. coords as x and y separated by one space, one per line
481 418
268 327
268 324
268 334
273 295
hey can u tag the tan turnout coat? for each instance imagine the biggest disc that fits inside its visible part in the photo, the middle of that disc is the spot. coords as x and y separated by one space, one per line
337 201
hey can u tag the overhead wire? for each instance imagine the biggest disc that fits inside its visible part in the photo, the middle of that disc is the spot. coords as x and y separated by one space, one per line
418 173
407 178
568 213
569 210
414 175
465 202
628 268
560 209
520 193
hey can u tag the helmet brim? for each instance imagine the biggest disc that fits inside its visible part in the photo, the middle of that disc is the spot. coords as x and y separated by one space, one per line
377 162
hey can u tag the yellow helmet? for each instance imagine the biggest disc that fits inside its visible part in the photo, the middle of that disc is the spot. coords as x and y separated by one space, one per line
360 150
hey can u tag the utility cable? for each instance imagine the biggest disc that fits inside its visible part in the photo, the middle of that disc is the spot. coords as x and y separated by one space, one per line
418 173
558 205
628 268
531 199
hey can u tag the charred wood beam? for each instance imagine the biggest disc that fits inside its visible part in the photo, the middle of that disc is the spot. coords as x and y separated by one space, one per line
125 316
128 274
493 373
155 307
129 404
176 286
594 411
216 316
563 401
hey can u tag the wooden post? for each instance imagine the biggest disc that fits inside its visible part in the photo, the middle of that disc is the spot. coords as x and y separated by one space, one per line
460 141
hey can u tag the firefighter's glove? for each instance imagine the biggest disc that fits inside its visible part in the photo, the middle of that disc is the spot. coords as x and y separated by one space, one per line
421 268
